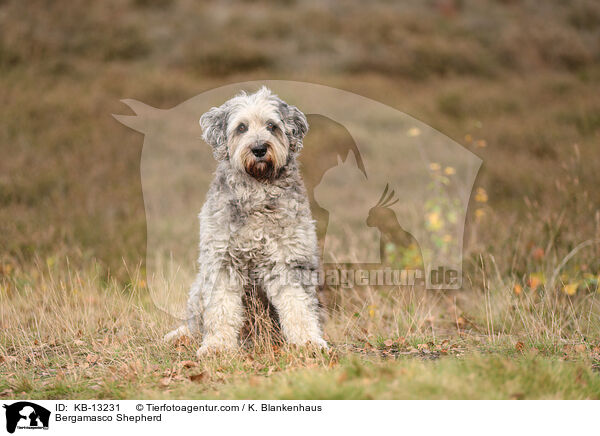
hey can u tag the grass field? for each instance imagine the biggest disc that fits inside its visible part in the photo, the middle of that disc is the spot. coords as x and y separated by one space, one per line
87 339
516 82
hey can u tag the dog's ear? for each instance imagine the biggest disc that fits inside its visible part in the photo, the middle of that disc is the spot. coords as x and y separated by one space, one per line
295 123
214 130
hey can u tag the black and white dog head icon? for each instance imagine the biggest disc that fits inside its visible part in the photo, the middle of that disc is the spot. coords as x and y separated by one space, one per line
26 414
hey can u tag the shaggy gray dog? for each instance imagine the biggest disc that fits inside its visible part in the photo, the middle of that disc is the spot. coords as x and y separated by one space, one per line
256 228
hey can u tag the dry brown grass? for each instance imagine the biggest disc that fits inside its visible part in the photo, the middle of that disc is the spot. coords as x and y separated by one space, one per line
70 334
515 82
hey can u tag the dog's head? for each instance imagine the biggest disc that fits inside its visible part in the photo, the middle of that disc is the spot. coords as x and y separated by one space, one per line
257 133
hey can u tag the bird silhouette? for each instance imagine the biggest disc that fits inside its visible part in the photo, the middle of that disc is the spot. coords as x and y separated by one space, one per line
393 235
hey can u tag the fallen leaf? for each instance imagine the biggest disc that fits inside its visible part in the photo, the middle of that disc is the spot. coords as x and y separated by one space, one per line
188 364
183 341
197 378
519 346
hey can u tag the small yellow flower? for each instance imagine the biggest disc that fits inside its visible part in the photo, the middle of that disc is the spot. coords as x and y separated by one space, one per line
449 171
372 311
413 132
142 283
468 138
479 213
518 289
447 238
481 143
481 196
571 288
434 166
434 220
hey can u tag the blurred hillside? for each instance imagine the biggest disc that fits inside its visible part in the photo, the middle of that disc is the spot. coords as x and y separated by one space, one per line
516 81
414 39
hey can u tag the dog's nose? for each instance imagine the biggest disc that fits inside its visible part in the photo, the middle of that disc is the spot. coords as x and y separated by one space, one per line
259 150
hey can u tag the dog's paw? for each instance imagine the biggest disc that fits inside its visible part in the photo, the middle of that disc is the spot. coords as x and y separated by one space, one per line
176 334
215 347
205 351
318 343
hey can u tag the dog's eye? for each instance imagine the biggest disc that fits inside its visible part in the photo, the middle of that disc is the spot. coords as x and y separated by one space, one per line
271 126
242 128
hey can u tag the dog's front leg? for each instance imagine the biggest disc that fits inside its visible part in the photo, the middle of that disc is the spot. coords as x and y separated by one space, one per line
223 313
297 307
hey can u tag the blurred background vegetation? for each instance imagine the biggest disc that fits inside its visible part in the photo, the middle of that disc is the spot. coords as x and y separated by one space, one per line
515 81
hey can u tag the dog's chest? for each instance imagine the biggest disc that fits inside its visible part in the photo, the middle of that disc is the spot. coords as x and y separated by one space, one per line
259 227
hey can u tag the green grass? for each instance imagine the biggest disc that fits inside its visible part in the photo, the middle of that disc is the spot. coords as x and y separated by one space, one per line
472 377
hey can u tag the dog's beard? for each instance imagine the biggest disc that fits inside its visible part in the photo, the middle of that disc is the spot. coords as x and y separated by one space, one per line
265 168
262 169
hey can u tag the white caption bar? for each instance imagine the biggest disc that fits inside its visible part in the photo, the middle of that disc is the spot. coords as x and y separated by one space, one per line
291 417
